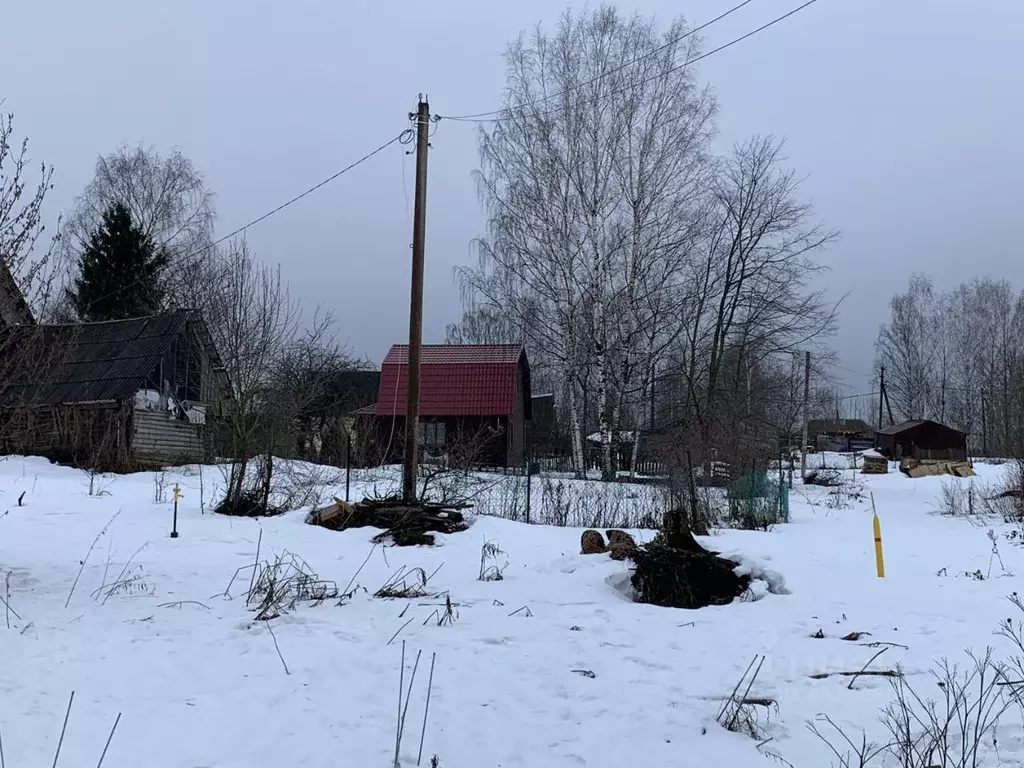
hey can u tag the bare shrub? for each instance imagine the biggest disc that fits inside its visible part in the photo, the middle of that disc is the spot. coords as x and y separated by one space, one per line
1009 501
960 500
159 487
99 483
951 731
1013 630
298 485
850 753
586 504
738 712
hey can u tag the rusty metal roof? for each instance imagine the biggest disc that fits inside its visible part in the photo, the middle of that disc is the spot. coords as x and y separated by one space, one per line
87 362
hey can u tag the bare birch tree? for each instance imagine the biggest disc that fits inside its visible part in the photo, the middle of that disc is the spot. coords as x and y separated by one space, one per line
906 347
168 199
588 180
958 356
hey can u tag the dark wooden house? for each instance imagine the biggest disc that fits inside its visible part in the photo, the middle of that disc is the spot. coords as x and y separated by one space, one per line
116 395
922 439
475 404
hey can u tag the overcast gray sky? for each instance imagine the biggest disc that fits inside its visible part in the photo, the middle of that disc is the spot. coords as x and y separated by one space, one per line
905 115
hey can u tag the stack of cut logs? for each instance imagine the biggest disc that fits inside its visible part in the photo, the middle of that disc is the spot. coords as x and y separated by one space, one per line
406 523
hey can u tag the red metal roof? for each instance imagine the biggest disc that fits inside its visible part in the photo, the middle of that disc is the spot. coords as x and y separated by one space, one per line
455 380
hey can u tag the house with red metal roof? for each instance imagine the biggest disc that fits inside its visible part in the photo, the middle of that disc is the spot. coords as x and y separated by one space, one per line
475 401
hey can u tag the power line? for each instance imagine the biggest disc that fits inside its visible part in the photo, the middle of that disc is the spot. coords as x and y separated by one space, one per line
851 370
403 137
683 65
673 41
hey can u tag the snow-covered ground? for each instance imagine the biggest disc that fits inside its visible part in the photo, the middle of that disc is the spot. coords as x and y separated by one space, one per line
552 666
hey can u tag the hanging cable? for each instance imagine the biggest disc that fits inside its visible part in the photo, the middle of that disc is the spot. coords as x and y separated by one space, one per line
404 137
683 65
673 41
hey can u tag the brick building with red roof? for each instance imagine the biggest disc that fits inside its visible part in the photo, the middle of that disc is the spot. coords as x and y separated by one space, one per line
474 398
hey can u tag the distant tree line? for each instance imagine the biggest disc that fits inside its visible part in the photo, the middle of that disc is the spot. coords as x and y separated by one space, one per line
957 356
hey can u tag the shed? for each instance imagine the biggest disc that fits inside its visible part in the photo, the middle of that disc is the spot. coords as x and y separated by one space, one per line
475 400
922 439
112 395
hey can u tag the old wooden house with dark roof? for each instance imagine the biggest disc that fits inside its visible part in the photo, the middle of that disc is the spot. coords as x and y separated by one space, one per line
922 439
115 395
475 401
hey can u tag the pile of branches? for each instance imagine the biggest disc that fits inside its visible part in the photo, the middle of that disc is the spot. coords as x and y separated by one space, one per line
826 478
405 523
674 571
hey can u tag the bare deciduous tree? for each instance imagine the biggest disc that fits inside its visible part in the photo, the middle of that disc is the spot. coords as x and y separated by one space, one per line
167 198
253 322
958 356
749 295
21 217
906 345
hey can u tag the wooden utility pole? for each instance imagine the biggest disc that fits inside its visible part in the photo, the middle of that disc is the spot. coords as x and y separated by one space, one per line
984 426
807 407
419 232
881 394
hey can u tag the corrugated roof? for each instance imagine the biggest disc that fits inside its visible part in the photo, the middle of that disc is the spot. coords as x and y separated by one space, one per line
895 429
455 380
448 354
62 364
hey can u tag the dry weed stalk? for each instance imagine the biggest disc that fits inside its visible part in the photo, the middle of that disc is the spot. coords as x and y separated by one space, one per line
278 585
493 562
130 580
737 713
406 583
81 567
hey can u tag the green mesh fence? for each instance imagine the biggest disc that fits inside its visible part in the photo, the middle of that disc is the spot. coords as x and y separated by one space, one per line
756 501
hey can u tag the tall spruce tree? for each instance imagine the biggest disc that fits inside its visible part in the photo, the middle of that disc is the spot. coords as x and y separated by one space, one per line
120 270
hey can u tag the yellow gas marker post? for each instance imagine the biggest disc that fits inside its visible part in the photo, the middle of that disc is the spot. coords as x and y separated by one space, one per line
877 527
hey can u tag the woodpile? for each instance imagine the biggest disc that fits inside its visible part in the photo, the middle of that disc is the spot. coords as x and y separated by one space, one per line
916 468
875 464
407 524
